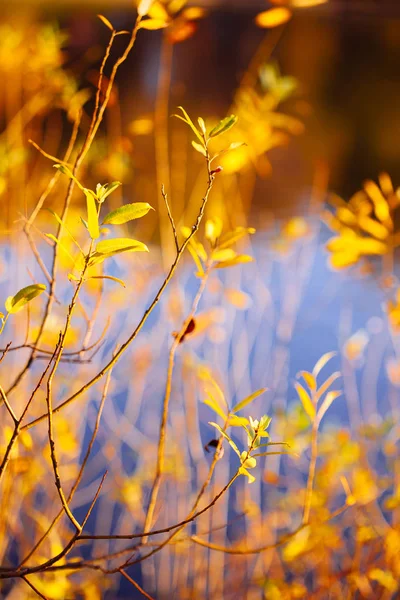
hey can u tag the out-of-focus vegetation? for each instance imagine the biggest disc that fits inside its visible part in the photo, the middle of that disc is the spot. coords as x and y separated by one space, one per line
153 441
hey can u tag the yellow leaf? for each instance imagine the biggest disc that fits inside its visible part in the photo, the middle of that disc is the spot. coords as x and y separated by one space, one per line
380 202
297 545
239 299
385 578
373 227
144 7
223 255
306 401
92 217
153 24
319 365
309 379
193 13
341 260
307 3
237 260
158 11
106 22
371 246
273 17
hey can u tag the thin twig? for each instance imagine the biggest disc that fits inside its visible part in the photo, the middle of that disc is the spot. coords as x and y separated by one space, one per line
171 218
147 312
81 470
34 588
136 585
168 387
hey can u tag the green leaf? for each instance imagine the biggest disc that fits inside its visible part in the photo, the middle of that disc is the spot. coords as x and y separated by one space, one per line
231 442
248 399
120 244
93 219
103 191
305 400
15 303
107 248
186 119
127 213
224 125
199 148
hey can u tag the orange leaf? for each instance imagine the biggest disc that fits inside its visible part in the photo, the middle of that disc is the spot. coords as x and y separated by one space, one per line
273 17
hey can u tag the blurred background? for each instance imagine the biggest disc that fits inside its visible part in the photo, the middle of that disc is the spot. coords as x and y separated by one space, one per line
317 96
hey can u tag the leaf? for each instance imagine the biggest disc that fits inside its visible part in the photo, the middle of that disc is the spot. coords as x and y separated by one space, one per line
66 171
235 421
144 7
215 407
189 122
109 277
57 241
93 219
309 379
322 362
305 400
232 146
118 244
196 259
330 397
153 24
15 303
199 148
63 226
106 22
244 471
248 399
103 191
108 248
326 385
223 255
202 125
247 461
231 442
126 213
232 237
239 259
224 125
273 17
